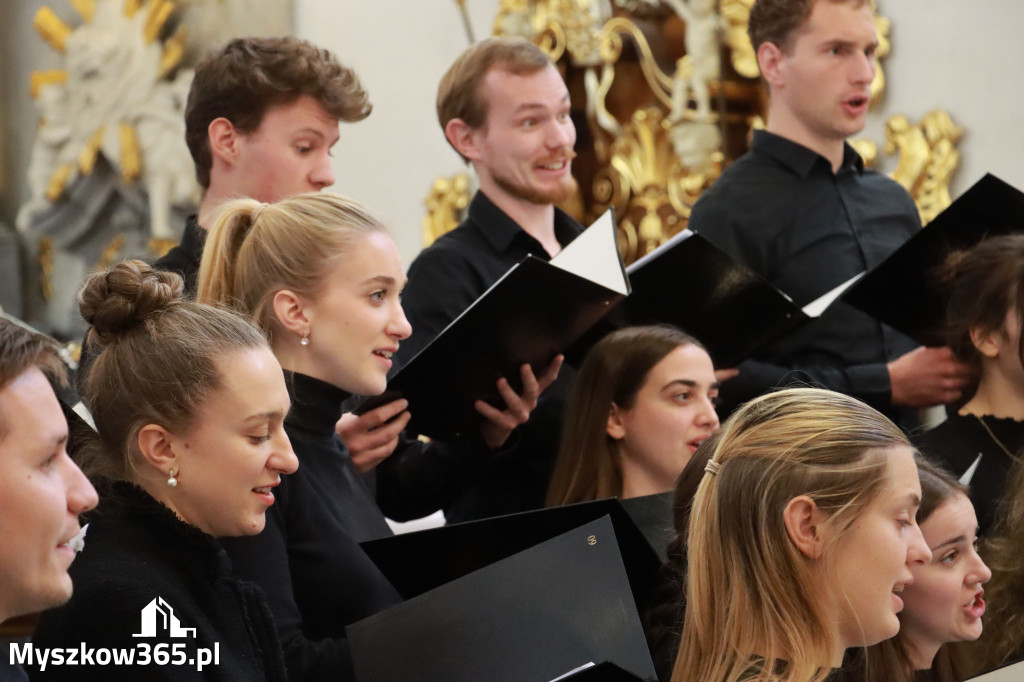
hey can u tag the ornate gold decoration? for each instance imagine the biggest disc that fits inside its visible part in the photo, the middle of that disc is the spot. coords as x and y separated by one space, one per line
647 184
51 28
131 163
557 26
447 200
110 252
737 14
157 16
85 9
43 78
91 149
174 49
928 158
46 267
159 246
58 181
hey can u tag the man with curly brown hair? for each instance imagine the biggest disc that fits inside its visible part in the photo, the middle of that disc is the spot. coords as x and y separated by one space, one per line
261 118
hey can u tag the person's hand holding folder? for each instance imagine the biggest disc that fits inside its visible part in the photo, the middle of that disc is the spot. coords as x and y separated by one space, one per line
372 436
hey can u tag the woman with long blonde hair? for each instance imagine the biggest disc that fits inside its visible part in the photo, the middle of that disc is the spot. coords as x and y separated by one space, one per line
800 537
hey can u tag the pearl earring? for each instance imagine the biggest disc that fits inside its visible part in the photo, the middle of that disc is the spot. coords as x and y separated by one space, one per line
305 338
171 480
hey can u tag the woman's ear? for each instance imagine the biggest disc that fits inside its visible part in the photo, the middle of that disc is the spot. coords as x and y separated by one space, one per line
615 428
986 341
291 311
157 447
804 522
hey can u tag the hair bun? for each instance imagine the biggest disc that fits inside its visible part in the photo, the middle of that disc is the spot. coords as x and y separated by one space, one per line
119 299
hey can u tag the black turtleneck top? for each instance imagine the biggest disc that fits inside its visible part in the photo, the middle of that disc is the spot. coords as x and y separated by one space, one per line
308 559
137 551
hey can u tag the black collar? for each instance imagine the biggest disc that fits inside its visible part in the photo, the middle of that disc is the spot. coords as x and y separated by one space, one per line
501 231
799 158
316 404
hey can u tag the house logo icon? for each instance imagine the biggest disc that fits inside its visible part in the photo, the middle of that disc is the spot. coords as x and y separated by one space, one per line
158 617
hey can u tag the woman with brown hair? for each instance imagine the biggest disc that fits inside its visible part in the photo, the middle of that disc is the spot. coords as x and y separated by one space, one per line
643 402
189 405
800 537
984 316
944 604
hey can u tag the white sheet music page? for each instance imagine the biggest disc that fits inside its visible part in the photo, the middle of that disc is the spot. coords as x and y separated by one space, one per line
594 255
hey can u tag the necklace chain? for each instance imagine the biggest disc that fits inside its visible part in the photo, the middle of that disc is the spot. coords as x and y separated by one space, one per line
994 439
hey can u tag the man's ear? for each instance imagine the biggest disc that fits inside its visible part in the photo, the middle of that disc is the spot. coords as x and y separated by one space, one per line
986 341
769 60
804 522
224 139
292 312
615 428
462 137
156 445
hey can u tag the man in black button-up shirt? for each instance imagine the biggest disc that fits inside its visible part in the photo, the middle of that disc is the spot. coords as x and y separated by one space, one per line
505 108
801 209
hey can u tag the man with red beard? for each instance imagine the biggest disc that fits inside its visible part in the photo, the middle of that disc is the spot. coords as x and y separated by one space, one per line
801 209
505 109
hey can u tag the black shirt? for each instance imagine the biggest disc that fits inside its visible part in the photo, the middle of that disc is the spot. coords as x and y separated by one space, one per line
308 559
956 444
136 550
781 210
444 280
185 257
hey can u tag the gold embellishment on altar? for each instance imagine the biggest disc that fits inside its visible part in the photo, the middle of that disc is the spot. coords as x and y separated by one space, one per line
927 158
446 203
46 258
647 184
56 33
557 26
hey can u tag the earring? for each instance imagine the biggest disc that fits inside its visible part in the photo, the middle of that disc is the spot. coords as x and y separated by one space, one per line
305 338
171 480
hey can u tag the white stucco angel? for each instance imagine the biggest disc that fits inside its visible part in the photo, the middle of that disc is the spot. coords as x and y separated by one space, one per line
701 63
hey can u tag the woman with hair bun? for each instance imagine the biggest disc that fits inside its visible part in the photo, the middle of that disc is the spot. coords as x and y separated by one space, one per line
983 320
189 405
800 538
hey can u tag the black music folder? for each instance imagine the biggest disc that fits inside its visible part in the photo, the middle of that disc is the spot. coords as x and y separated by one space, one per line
530 315
536 615
690 283
421 561
906 290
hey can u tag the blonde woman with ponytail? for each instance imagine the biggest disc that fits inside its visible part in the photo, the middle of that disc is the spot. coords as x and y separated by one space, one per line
322 277
800 537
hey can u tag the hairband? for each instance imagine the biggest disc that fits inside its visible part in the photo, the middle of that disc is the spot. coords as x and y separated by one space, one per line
257 212
712 467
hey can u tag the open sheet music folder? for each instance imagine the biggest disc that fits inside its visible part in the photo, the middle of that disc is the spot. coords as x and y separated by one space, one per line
530 315
535 615
906 291
424 560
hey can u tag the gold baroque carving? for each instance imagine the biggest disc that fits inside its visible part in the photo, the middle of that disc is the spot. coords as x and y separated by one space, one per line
927 158
446 202
647 184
